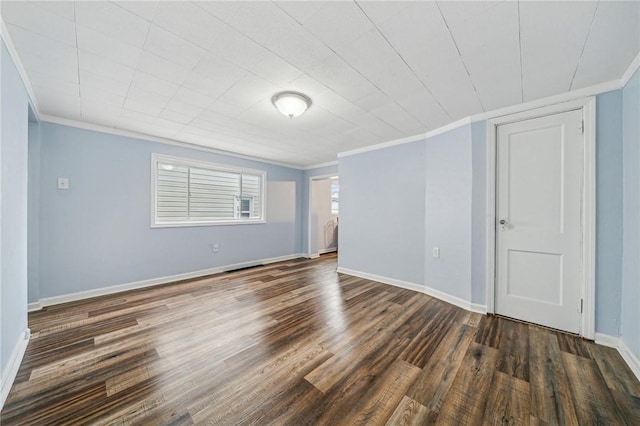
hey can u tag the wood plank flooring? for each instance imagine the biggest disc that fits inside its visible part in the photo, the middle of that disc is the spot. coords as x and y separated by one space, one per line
296 343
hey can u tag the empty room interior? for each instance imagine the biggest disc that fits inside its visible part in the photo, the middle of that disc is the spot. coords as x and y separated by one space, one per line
320 212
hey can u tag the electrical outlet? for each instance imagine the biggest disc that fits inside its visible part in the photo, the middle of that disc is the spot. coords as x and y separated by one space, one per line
215 247
63 183
436 252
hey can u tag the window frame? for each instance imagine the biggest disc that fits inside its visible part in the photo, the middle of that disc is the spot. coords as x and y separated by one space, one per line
336 211
251 201
188 162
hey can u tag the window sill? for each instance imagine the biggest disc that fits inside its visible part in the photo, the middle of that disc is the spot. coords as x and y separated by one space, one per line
206 223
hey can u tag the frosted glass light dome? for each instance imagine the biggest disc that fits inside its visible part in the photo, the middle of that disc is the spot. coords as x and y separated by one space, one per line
291 104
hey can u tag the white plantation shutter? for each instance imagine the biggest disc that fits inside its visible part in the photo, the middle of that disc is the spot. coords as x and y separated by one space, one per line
172 192
213 194
200 193
252 189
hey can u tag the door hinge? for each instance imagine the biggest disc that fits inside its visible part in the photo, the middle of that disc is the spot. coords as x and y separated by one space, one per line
582 127
581 305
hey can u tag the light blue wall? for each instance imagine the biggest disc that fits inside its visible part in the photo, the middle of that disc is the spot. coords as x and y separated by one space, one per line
454 179
447 216
479 212
13 208
306 175
608 211
97 234
398 203
630 317
382 202
33 219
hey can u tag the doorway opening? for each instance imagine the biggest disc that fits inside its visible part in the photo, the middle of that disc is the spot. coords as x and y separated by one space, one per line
324 208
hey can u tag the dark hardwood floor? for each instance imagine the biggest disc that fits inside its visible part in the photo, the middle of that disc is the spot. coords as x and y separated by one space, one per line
296 343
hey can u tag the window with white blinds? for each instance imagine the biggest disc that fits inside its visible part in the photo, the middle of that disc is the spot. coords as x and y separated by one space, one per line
189 192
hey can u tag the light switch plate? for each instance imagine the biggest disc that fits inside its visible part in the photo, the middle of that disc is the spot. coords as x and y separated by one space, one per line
63 183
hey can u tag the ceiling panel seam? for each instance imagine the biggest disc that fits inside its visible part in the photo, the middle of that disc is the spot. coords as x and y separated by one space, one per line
331 49
584 45
146 37
145 52
406 63
75 32
455 43
356 70
265 48
520 51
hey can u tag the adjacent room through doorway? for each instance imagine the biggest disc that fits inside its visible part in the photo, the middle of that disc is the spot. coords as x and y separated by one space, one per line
324 192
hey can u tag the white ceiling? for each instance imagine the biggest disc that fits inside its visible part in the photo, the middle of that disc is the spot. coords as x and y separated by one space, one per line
205 72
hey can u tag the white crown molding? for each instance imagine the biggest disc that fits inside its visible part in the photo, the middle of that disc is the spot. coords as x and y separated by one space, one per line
445 297
383 145
410 139
103 291
563 97
451 126
538 103
633 67
130 134
550 100
13 365
317 166
584 92
4 34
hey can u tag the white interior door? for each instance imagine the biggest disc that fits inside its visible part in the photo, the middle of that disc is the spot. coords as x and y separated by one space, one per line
540 176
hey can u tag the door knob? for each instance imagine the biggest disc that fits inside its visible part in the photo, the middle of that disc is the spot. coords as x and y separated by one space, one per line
503 221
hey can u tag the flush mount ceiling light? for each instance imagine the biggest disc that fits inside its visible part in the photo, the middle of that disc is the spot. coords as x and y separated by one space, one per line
291 104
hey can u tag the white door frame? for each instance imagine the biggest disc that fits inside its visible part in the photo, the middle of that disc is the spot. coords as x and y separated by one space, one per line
311 179
587 288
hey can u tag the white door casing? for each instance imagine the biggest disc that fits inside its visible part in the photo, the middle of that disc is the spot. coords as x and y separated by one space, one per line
539 203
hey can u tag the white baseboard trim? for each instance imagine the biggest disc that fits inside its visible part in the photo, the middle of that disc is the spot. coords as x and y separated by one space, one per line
602 339
629 357
56 300
385 280
14 364
327 250
633 67
477 307
34 306
461 303
617 343
607 340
